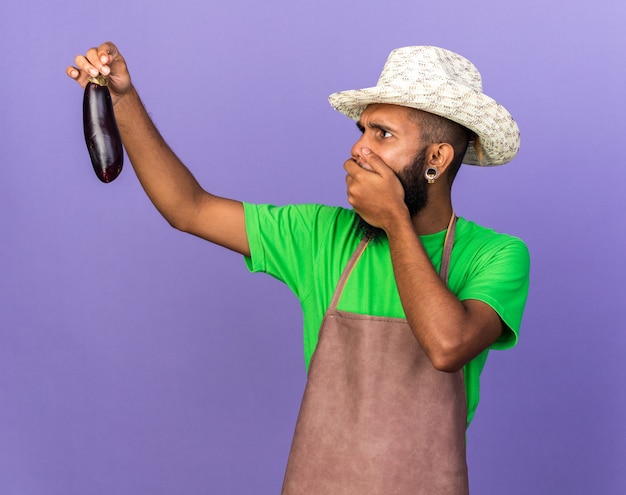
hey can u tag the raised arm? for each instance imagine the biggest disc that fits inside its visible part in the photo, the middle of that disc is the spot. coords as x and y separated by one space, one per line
168 183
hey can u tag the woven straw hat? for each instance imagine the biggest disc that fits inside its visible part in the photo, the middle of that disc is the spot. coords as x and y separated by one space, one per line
441 82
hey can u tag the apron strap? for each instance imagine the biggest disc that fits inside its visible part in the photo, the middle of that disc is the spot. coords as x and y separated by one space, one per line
447 249
348 270
356 255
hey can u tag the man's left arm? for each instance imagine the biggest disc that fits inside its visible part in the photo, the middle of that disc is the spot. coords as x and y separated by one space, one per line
451 332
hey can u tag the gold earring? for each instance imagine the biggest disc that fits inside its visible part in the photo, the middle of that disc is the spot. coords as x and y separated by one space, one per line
431 174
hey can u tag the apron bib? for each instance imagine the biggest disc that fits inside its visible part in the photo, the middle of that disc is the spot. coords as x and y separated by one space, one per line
376 417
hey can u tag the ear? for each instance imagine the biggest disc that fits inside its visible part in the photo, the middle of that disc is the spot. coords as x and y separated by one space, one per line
440 155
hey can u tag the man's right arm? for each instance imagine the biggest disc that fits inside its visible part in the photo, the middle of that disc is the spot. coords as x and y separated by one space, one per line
168 183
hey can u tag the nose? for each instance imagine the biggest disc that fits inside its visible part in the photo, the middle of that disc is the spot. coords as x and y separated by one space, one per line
358 146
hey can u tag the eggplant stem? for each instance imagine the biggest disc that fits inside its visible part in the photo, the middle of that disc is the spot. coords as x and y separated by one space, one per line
100 80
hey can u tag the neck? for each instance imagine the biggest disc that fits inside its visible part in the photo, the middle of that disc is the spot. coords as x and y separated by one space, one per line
433 218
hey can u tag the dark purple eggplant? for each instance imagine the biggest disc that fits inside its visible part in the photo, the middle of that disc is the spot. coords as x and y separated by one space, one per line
101 133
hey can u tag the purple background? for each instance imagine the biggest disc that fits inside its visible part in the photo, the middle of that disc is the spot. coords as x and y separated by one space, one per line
137 359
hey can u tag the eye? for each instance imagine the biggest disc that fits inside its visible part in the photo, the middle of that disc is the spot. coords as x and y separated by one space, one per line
386 134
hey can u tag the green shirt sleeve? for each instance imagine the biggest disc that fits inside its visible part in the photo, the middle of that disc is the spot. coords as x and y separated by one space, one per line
287 241
500 278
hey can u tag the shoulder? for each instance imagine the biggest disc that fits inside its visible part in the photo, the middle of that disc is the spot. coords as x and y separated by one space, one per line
468 228
298 216
484 242
307 210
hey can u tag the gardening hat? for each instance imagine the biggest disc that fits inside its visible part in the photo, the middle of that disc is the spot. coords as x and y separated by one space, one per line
444 83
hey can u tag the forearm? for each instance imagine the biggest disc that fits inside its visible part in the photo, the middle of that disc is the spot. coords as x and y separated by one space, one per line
450 331
167 182
432 311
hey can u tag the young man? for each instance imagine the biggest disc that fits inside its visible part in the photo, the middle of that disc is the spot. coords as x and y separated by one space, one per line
402 300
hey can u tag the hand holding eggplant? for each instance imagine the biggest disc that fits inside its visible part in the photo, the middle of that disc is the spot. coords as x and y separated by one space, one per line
102 136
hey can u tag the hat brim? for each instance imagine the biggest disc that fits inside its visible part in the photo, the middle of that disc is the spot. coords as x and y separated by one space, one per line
498 132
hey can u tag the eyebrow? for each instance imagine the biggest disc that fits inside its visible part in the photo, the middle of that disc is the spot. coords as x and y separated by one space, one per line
375 125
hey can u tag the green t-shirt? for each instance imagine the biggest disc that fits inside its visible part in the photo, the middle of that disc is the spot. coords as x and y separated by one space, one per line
308 246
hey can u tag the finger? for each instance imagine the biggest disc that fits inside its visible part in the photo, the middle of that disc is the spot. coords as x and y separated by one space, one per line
107 53
72 72
98 59
361 164
351 166
85 66
79 75
375 162
355 168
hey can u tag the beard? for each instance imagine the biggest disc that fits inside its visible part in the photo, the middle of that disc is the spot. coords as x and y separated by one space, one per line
415 195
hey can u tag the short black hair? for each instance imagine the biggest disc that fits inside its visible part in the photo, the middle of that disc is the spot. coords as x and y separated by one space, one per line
437 129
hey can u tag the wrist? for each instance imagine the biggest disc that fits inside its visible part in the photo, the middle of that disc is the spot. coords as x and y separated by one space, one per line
398 223
121 99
